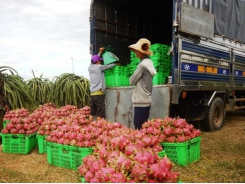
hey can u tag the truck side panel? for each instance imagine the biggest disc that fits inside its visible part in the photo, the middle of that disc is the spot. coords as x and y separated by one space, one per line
204 62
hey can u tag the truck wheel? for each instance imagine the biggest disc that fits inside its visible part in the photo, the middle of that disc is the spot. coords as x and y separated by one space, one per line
215 116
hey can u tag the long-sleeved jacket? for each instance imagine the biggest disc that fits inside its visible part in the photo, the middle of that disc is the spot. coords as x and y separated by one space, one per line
142 79
97 77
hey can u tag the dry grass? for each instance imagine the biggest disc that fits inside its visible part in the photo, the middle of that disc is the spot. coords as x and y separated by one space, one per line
222 154
33 168
222 160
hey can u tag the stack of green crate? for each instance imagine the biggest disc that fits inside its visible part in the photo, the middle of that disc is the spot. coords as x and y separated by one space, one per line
126 75
115 77
119 75
131 67
109 80
161 61
134 62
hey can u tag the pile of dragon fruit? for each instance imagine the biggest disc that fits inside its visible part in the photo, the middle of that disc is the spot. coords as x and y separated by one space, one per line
120 154
170 129
44 119
20 123
124 155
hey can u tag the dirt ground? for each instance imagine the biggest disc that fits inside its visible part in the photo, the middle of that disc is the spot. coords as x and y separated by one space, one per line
222 160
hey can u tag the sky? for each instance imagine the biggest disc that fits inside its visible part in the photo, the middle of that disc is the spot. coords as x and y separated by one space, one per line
48 37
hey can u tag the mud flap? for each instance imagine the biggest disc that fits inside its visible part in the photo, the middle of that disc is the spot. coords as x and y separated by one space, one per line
196 113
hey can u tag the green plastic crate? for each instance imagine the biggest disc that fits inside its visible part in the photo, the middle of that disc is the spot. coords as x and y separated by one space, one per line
109 78
83 180
183 153
115 77
177 152
159 78
18 143
5 122
69 157
118 76
161 153
195 149
42 147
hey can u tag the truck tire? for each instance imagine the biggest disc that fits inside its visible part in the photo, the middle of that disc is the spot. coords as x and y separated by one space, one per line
215 116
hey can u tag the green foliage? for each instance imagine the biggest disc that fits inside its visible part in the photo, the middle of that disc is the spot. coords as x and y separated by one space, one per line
40 88
66 89
17 91
7 69
70 89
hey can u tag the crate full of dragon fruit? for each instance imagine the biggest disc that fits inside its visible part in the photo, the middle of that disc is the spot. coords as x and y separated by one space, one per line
183 153
66 156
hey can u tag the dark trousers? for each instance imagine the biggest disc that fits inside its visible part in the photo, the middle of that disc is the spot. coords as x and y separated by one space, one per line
141 115
97 105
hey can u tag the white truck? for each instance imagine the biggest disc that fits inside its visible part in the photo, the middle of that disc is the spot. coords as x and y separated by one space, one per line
207 48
